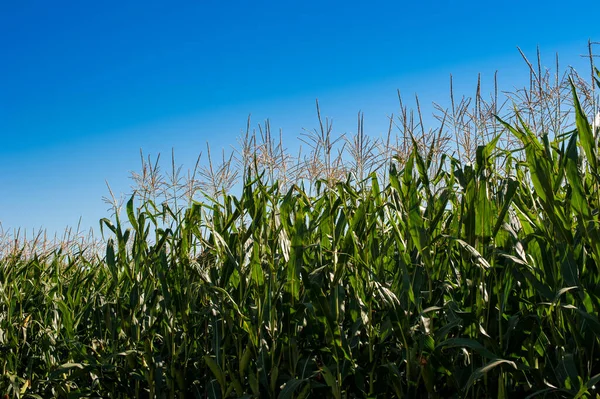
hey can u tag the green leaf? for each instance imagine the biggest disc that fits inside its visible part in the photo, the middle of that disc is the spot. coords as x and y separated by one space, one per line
131 214
478 259
578 200
217 372
511 190
480 372
590 385
291 387
585 131
331 382
467 343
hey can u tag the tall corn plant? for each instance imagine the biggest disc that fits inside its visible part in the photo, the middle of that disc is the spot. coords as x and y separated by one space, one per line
446 279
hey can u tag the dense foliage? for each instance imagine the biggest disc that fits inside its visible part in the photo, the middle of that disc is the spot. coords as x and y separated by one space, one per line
448 279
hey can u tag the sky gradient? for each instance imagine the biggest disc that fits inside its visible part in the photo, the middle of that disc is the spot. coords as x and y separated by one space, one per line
86 85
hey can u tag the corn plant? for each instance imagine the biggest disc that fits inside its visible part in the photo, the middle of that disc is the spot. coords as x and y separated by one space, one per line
440 277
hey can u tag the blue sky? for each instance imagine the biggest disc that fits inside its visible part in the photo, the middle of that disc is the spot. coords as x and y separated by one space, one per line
85 84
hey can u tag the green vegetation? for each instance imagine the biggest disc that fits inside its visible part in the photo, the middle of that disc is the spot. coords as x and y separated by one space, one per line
408 273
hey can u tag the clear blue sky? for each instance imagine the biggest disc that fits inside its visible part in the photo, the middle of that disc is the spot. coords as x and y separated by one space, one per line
84 85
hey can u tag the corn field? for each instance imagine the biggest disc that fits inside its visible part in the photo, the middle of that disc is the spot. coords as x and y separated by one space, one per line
413 274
